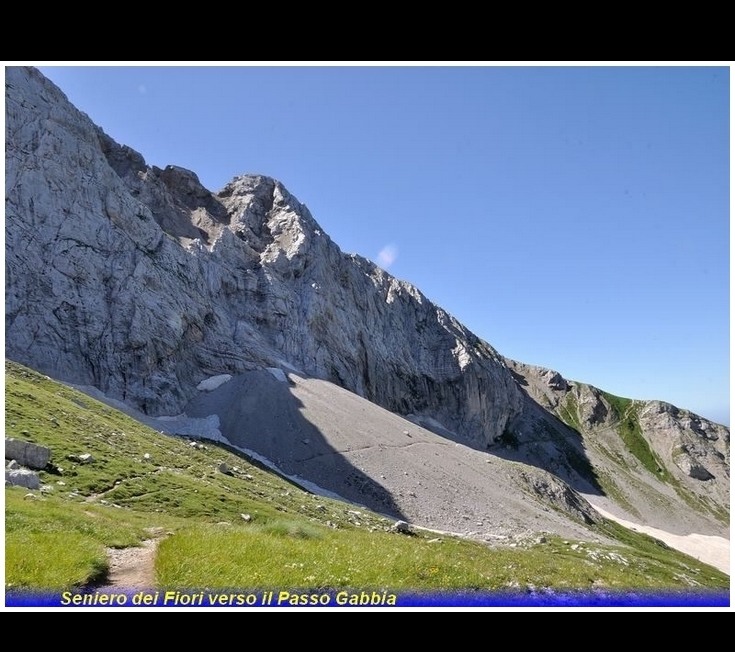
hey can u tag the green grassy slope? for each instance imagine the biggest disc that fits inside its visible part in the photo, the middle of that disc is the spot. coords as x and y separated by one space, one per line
141 479
626 414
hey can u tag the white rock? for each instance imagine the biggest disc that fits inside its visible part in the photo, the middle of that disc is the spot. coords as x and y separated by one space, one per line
278 374
212 383
23 478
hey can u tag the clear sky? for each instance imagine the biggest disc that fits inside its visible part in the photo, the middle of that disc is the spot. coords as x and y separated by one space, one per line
575 218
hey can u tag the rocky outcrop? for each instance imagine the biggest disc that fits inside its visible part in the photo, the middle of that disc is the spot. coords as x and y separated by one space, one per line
27 454
558 494
700 448
22 478
666 466
141 282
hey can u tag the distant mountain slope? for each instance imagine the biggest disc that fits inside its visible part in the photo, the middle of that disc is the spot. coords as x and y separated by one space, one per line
142 283
653 463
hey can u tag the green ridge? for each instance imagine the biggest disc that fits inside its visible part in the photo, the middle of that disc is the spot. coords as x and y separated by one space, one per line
630 432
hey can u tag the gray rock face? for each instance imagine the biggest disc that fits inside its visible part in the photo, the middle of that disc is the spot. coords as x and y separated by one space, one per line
698 447
22 478
692 469
27 454
559 494
141 282
657 460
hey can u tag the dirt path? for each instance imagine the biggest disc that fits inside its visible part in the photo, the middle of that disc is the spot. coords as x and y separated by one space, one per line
134 567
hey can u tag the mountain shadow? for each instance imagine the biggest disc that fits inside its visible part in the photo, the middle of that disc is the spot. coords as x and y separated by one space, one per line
259 412
542 439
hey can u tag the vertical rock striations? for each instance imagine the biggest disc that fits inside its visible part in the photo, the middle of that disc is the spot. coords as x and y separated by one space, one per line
142 282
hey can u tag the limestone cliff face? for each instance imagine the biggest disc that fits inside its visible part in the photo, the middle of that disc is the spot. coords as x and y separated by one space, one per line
142 282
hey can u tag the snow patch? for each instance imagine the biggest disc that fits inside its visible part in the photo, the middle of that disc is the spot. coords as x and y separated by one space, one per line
185 426
304 484
212 383
289 366
180 424
277 374
710 549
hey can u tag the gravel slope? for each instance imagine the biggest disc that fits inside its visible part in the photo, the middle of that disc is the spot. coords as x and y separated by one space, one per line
339 441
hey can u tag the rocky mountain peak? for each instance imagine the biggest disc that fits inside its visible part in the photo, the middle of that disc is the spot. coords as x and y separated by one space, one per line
150 283
269 219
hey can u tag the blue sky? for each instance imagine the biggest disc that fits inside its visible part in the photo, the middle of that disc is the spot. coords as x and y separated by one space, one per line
575 218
